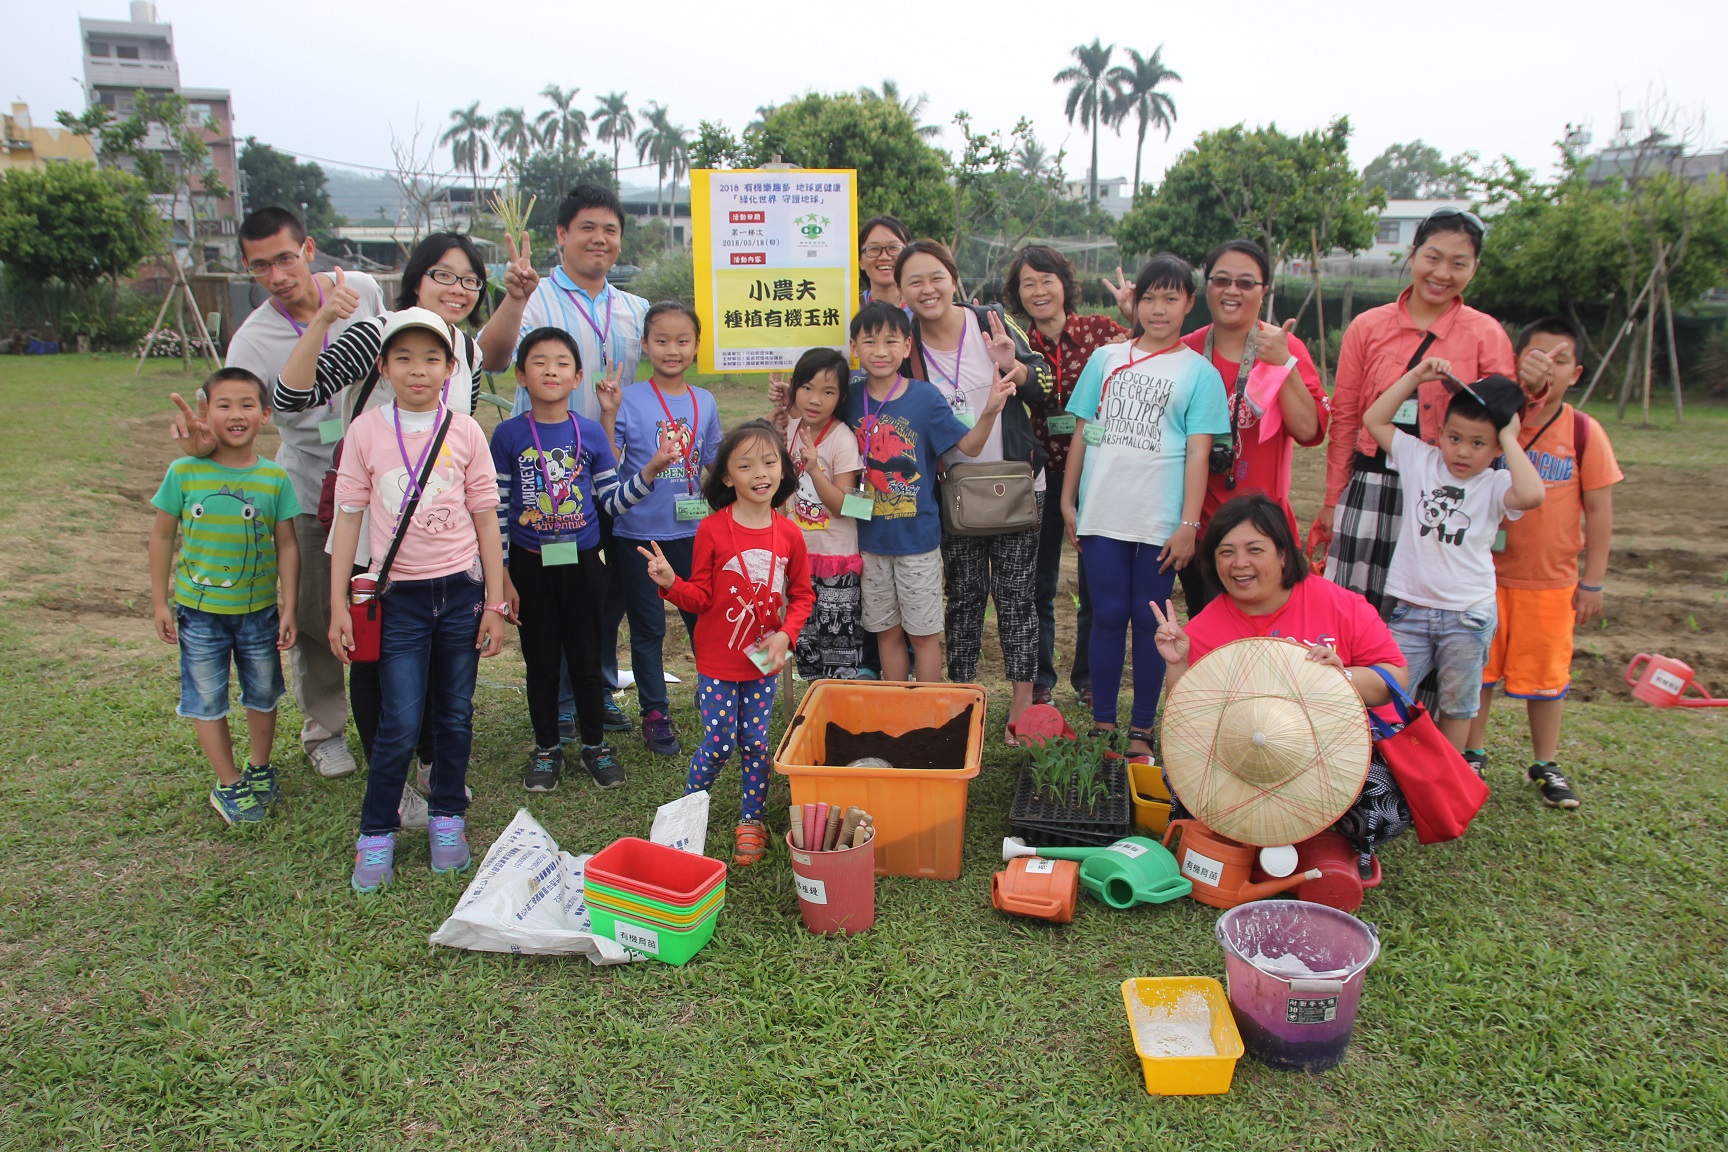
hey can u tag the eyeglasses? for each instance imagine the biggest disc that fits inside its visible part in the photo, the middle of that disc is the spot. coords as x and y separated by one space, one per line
1470 218
445 276
1240 283
285 261
871 251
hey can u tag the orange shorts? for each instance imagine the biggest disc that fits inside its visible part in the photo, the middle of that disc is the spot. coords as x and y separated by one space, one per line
1532 648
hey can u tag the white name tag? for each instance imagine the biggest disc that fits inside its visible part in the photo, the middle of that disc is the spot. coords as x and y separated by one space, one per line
636 937
811 891
1406 413
1038 867
1202 868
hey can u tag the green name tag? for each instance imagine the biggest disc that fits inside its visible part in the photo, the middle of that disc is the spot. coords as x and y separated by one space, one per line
691 508
858 506
1500 540
967 419
761 657
330 431
1406 413
1094 434
1061 424
563 552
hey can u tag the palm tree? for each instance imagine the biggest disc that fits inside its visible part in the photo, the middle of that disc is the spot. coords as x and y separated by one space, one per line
655 145
1136 91
763 111
513 134
913 106
1031 158
614 124
677 151
1090 96
562 124
466 137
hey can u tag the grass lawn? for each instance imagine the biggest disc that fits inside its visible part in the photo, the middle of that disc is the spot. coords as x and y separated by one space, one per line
1551 981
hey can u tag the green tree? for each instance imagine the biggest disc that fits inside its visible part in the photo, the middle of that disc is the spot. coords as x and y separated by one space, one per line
1417 171
615 124
467 140
514 135
906 176
273 177
548 175
1090 97
996 200
666 146
76 223
563 123
913 106
1137 93
714 146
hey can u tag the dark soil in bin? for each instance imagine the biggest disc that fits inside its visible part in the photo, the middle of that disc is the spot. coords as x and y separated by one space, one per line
926 748
1108 818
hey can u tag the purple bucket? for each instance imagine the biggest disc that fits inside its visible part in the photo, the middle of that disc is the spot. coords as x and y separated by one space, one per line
1295 972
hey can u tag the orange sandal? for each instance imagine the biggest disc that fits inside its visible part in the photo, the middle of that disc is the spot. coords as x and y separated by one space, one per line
749 843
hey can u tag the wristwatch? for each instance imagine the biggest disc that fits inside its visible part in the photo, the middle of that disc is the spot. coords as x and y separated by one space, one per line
502 608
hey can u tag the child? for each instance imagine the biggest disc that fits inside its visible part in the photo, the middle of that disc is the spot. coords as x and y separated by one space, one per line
749 589
1441 578
234 512
1145 415
825 455
1538 593
443 596
555 473
638 420
904 427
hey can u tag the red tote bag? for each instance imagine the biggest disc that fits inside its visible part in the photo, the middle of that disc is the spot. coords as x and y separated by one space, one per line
1443 793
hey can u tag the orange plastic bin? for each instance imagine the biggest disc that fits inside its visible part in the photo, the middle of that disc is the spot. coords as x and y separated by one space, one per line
920 813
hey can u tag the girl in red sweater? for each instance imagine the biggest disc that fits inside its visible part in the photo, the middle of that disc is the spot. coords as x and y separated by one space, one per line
749 590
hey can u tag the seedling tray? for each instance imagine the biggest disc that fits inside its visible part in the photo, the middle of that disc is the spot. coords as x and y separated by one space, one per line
1042 818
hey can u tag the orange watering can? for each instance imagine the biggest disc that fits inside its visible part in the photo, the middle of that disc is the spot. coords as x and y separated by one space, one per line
1222 868
1664 682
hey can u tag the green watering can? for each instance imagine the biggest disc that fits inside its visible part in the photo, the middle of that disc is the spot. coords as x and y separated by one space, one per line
1131 871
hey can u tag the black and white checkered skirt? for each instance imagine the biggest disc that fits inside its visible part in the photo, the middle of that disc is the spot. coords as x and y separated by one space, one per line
1364 534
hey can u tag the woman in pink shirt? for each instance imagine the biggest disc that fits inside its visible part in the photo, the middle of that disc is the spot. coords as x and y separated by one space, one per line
1358 526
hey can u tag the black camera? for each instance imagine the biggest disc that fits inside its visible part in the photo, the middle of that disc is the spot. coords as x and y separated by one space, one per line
1223 459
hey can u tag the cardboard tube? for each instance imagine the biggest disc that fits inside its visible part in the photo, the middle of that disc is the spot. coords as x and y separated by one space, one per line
797 814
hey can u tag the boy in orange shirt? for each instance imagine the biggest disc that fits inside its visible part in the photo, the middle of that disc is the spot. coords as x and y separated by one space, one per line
1541 598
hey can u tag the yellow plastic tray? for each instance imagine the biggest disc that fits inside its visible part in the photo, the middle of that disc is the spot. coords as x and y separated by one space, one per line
1151 798
1186 1075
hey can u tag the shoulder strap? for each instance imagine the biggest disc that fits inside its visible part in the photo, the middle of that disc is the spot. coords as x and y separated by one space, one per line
1400 698
1428 339
1580 439
414 499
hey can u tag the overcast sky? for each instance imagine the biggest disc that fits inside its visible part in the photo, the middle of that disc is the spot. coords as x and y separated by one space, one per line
331 80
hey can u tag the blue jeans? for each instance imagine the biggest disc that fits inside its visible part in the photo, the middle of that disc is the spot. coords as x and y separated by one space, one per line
1125 580
1052 539
426 650
631 593
1453 644
208 642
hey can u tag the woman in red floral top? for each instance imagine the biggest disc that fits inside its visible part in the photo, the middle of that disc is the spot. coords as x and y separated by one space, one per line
1040 286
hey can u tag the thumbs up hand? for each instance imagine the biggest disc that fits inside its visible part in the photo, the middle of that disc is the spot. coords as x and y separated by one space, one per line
341 303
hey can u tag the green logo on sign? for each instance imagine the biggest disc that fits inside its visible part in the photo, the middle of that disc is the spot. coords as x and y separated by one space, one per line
811 225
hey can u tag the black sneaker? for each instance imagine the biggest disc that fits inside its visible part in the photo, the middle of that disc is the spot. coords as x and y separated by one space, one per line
616 720
602 764
541 775
1556 789
566 727
658 735
1478 761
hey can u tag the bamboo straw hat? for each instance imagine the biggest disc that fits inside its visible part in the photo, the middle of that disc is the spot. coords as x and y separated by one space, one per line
1262 744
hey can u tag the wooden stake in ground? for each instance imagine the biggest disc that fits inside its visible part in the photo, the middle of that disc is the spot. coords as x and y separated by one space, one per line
1319 299
1625 331
1673 349
1650 344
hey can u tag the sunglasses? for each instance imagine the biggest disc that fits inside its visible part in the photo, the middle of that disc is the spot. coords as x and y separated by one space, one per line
1240 283
1470 218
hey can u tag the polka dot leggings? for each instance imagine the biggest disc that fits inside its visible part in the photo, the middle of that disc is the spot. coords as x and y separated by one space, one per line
734 712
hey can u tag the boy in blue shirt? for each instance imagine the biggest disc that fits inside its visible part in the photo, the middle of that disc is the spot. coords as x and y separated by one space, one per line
234 514
555 473
904 427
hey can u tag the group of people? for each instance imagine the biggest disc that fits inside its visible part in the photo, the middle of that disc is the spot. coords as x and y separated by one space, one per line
404 540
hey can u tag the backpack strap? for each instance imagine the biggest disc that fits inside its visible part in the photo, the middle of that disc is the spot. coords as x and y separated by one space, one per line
1580 440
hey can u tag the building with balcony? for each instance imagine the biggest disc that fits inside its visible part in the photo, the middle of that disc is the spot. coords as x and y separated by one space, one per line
125 57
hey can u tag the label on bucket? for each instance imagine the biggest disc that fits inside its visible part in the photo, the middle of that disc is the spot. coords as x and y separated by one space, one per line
1131 851
811 891
1202 868
1667 681
800 858
1036 867
636 937
1321 1011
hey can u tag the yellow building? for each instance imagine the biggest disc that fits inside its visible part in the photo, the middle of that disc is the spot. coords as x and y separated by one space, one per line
24 145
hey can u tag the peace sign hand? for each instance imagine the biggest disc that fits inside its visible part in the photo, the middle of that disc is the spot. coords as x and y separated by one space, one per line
193 427
1001 344
520 279
607 391
1122 289
659 570
671 449
1172 641
779 395
342 302
999 394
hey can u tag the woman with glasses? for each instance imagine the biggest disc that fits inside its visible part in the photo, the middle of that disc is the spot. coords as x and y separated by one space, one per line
1358 526
880 242
447 275
1272 408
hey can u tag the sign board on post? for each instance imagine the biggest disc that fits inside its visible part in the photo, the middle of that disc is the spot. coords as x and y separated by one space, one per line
776 264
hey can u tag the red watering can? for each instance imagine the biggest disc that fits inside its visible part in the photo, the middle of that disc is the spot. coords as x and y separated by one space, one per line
1664 682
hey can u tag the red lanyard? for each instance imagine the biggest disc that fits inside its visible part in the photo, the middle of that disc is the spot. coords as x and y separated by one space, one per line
1131 361
869 426
546 469
1052 351
761 598
689 441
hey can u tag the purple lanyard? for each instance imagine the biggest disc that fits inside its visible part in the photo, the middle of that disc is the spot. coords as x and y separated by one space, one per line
299 328
545 469
604 334
412 488
959 354
869 425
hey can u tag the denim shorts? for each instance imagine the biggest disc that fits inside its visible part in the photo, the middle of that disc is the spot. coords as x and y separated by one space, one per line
208 642
1455 643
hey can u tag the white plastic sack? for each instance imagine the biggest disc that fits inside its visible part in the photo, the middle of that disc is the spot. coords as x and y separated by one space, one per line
682 824
526 897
